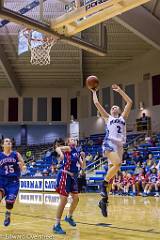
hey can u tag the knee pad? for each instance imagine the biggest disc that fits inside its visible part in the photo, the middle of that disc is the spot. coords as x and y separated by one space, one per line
9 205
10 201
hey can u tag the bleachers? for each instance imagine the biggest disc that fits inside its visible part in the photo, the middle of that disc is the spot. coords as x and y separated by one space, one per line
155 151
98 175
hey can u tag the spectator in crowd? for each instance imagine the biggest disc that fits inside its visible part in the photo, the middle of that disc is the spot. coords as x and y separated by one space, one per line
53 171
130 184
90 142
28 155
154 141
151 180
125 158
148 140
140 180
99 141
89 157
144 121
150 162
25 172
138 169
124 182
82 184
38 173
137 157
146 153
32 164
117 183
97 156
45 173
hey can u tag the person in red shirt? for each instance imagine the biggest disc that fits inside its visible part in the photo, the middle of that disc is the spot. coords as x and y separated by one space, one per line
131 184
117 183
124 182
140 181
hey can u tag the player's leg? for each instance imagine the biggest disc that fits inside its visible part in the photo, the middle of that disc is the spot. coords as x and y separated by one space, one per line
143 186
116 163
134 189
137 187
109 185
127 188
69 217
57 227
145 190
74 203
156 189
151 186
12 190
62 189
121 188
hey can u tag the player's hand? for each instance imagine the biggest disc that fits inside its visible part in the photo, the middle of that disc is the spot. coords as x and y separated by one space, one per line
82 154
93 90
116 88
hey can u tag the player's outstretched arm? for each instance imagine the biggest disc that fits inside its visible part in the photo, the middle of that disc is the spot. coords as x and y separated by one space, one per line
99 107
128 100
60 153
82 161
21 161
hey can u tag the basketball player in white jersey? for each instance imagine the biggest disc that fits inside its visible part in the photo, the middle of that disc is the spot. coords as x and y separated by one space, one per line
114 139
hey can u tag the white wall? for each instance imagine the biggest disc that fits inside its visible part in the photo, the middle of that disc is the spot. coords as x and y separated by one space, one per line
125 74
35 93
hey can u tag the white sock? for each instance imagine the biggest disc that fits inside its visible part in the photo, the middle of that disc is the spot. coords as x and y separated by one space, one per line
58 220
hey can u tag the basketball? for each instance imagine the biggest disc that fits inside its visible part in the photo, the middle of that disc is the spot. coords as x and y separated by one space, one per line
92 82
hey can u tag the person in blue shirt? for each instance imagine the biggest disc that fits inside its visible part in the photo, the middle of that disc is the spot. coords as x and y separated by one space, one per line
67 181
11 164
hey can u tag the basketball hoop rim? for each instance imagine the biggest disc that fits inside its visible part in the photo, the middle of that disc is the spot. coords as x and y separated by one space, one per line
45 39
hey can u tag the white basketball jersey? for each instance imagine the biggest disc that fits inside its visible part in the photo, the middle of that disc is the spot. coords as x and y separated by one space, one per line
116 130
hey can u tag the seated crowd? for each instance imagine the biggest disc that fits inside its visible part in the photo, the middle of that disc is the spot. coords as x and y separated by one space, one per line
142 179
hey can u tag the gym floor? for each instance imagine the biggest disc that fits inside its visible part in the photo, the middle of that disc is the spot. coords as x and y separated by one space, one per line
129 219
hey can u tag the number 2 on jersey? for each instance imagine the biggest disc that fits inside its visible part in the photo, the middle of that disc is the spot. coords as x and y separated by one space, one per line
119 129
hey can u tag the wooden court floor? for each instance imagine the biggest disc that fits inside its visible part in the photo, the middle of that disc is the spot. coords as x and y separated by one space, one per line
129 219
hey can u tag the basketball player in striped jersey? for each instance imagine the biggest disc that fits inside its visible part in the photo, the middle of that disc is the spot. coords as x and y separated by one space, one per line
67 181
114 139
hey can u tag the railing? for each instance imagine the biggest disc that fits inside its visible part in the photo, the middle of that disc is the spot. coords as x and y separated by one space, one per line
102 162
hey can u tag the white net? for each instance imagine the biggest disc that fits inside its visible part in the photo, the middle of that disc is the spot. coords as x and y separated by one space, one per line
40 54
39 46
